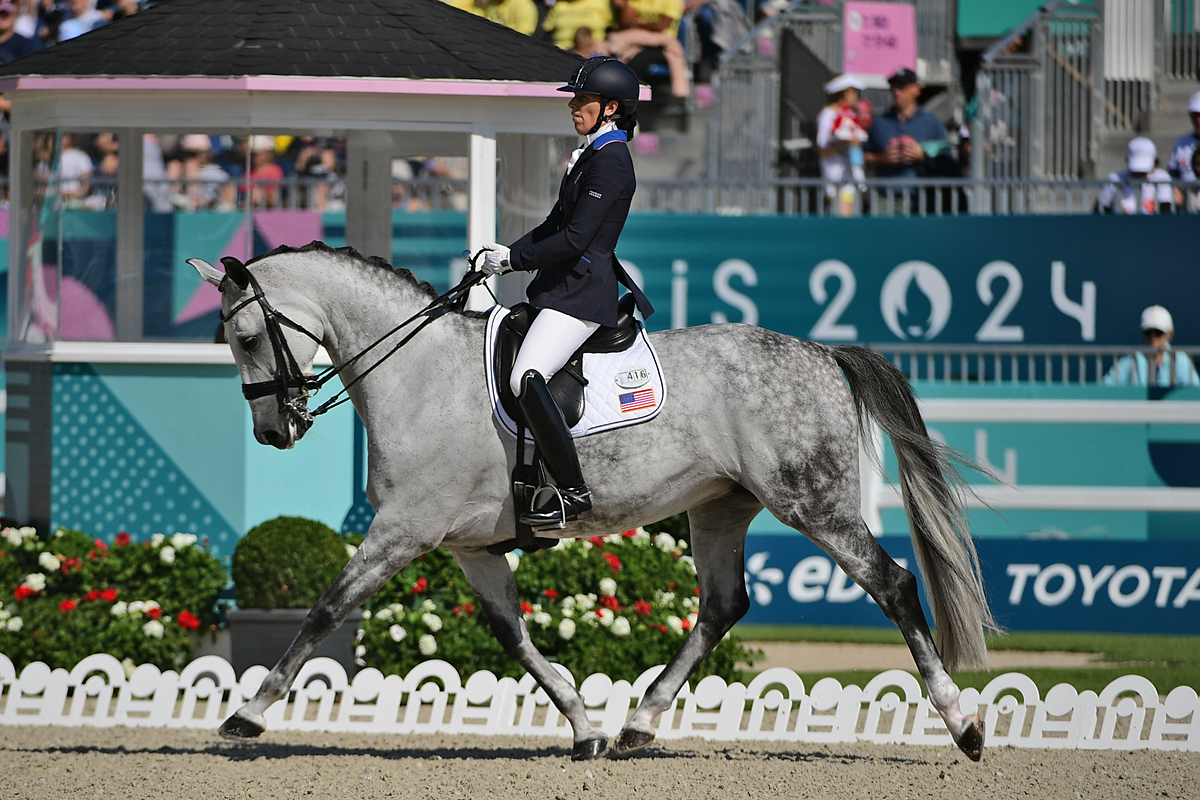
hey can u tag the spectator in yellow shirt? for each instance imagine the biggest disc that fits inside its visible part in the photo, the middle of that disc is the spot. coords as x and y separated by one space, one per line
652 23
520 15
567 16
470 6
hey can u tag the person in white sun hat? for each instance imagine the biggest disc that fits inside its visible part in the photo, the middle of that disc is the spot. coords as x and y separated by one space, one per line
840 137
1144 187
1164 367
1180 163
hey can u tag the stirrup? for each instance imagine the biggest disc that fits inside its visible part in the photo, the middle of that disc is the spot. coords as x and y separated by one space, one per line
544 517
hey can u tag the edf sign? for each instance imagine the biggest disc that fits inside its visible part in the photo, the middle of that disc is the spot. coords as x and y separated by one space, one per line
1133 587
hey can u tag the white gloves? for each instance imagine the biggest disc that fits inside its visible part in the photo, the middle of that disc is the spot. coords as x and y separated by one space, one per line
495 259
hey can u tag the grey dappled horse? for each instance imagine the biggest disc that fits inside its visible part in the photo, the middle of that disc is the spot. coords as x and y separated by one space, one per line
755 419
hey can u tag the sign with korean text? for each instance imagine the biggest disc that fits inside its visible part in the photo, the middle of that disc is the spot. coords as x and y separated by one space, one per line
878 38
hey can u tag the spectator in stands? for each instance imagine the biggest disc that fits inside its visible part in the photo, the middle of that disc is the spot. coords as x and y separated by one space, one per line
75 169
840 138
83 17
566 17
652 23
1181 163
470 6
317 161
12 44
203 184
263 168
907 141
1145 188
520 15
1167 368
585 44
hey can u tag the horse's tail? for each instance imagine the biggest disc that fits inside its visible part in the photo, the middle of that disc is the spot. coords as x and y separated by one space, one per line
941 539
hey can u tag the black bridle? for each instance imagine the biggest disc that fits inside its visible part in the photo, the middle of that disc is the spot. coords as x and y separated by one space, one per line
289 376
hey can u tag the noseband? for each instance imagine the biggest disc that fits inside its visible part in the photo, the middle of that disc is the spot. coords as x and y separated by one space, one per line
288 374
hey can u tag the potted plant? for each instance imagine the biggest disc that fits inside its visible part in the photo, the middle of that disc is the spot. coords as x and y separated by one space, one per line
280 569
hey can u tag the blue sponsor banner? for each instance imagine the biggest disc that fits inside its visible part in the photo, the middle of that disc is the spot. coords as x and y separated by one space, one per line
961 280
1145 587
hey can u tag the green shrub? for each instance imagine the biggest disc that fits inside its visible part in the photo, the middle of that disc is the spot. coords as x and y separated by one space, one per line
287 562
618 605
72 596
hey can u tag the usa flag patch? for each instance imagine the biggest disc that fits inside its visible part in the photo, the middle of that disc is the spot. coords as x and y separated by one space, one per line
635 401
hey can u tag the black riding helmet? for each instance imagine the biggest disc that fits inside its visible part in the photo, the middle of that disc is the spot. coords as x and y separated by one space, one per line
611 80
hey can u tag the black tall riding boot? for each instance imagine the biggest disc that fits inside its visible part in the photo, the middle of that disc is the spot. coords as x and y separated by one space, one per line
569 500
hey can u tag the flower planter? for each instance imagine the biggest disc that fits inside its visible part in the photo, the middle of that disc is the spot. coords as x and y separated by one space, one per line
262 636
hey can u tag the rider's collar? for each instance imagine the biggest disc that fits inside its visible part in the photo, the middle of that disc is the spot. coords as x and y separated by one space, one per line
590 139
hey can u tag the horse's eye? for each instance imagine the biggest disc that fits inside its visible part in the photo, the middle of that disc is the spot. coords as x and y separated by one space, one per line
249 343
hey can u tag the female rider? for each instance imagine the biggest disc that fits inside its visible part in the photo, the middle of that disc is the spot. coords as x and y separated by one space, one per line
575 288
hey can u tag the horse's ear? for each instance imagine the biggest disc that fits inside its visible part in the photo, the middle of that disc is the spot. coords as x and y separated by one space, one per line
236 271
207 271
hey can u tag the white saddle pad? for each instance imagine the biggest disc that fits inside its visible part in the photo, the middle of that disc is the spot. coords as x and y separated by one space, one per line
623 388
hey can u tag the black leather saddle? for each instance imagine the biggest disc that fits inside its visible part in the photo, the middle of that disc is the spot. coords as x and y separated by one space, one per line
566 387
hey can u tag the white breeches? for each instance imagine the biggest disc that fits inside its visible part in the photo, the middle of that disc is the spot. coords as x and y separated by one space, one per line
551 340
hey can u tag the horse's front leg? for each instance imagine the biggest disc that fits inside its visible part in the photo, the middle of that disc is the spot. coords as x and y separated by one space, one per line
493 582
386 550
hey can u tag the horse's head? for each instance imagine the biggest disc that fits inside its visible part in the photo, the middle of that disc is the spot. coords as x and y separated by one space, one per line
274 333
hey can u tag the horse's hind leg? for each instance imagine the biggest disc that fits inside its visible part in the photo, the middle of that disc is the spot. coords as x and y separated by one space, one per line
493 582
718 534
895 590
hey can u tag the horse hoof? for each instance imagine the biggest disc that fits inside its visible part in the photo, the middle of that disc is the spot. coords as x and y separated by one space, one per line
241 728
589 749
970 738
632 739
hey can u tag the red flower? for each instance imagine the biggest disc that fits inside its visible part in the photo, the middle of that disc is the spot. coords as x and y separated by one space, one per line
154 613
456 610
662 628
188 621
526 608
23 591
70 564
629 534
642 607
420 586
613 561
94 594
470 608
123 539
551 594
597 541
671 586
697 592
686 624
610 602
101 545
67 605
109 595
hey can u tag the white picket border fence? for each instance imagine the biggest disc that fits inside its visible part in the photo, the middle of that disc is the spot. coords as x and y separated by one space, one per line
1128 714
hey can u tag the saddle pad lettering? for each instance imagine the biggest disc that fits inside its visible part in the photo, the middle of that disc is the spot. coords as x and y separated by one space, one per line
623 388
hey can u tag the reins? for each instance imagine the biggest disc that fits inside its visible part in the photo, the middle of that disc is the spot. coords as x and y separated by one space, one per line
290 376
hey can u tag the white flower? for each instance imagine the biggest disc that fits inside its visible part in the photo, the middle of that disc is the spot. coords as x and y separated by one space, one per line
360 651
620 626
542 618
691 564
151 605
182 540
432 621
675 623
514 561
428 606
48 561
28 534
682 544
167 554
641 536
427 645
4 614
585 601
137 608
590 617
383 616
566 629
666 598
605 616
608 587
351 550
12 536
119 608
397 633
157 539
568 612
665 541
35 581
359 634
15 624
128 667
154 629
586 545
692 617
366 613
688 602
568 602
58 534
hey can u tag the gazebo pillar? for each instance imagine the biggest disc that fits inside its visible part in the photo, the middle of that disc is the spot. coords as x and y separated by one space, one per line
131 235
481 203
369 192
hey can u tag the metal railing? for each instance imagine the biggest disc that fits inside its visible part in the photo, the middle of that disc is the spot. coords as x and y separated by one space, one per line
1051 364
888 197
